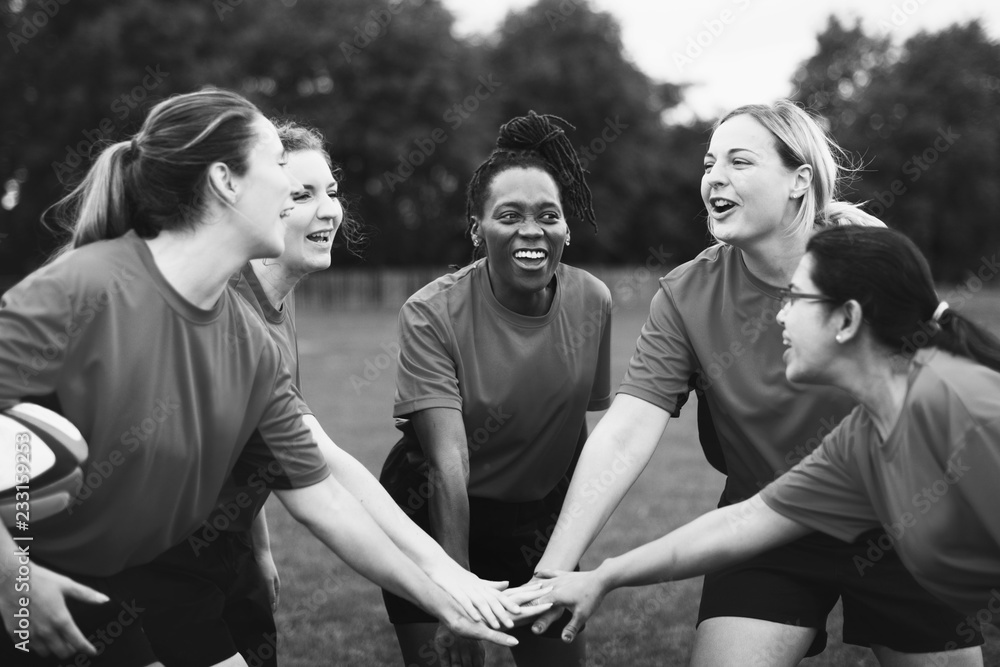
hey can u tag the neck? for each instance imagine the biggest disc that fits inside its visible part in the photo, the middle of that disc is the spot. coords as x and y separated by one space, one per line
879 382
192 264
774 259
276 280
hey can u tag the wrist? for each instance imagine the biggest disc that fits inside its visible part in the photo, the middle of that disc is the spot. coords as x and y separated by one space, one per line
608 576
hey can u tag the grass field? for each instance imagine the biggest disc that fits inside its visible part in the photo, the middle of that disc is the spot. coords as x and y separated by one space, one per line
331 616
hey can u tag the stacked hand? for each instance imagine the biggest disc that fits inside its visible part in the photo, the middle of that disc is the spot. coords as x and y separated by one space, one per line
580 592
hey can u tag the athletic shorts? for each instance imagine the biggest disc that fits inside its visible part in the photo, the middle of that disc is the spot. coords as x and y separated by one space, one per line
506 540
799 583
114 628
206 601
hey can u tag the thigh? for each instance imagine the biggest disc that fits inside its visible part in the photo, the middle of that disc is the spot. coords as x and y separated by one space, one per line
114 628
535 651
416 643
728 641
885 606
184 598
247 612
788 587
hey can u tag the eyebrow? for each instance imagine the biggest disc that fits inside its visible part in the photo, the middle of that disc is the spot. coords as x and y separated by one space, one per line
733 150
519 204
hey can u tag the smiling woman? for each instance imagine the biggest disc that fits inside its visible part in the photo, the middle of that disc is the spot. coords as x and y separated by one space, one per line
495 379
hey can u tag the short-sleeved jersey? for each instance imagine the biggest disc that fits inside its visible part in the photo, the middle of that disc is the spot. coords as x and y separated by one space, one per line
523 384
166 395
713 318
931 484
241 500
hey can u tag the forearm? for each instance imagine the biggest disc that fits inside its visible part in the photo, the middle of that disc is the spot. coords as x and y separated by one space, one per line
360 483
259 534
449 512
719 539
622 444
339 521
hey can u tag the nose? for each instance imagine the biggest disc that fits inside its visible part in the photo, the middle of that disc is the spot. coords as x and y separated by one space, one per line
780 317
714 175
530 227
330 209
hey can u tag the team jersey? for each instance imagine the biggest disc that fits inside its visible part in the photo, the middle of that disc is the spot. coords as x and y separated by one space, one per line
713 319
931 484
523 384
166 395
242 499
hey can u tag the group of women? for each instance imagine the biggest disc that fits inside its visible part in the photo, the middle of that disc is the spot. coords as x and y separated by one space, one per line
213 214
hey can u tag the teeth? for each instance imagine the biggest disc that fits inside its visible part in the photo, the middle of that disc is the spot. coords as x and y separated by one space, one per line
319 237
719 202
530 254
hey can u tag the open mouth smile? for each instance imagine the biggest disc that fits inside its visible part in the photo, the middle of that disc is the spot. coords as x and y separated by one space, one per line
721 205
322 237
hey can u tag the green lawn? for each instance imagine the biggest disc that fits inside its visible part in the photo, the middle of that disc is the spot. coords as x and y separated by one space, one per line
331 616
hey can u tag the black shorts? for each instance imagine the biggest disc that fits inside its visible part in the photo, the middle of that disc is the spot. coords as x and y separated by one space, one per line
506 540
205 602
114 628
799 583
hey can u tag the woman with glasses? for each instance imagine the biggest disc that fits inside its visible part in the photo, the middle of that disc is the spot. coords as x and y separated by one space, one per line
770 182
919 456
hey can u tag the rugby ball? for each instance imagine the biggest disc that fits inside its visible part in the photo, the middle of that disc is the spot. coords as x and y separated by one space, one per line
41 453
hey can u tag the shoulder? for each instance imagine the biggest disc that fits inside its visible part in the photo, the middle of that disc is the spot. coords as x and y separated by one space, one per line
954 383
578 284
437 295
103 267
711 261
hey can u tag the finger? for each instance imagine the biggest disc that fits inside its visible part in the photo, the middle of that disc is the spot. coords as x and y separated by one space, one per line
71 640
73 589
488 614
499 585
549 574
534 610
525 596
483 632
545 620
572 628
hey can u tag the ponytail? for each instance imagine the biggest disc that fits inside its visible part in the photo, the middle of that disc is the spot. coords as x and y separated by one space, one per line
838 213
98 208
965 338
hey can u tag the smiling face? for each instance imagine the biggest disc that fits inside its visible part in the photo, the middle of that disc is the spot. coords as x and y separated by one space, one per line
525 232
810 331
264 193
747 190
313 222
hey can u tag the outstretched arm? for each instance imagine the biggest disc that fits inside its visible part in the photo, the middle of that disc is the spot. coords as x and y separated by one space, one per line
450 573
339 521
622 443
721 538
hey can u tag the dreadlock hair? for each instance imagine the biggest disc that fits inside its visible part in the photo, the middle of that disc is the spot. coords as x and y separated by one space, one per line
535 141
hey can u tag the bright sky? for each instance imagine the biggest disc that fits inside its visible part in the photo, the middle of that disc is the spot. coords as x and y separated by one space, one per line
735 52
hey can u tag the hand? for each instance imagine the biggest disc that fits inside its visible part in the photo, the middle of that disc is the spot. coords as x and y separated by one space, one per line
527 596
580 592
265 561
481 599
454 651
53 631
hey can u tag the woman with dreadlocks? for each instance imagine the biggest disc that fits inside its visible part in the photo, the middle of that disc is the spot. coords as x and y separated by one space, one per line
498 364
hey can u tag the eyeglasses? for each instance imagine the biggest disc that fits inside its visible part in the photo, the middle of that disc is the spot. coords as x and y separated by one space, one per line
788 296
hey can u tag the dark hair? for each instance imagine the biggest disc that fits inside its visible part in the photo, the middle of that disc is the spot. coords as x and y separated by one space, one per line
536 141
886 273
296 137
158 179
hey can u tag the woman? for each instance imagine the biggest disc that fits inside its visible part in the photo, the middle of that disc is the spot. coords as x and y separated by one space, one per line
132 335
213 595
770 182
498 364
920 455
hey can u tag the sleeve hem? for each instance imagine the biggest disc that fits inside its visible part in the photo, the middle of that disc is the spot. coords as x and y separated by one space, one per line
416 405
819 526
656 399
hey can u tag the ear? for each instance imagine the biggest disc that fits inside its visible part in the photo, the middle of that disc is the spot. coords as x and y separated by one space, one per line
802 180
223 182
850 324
474 228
